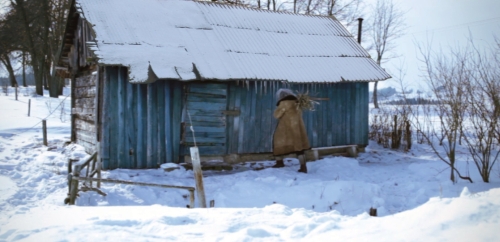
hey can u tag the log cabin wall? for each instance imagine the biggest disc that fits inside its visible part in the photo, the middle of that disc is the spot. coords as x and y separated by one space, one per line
83 69
84 108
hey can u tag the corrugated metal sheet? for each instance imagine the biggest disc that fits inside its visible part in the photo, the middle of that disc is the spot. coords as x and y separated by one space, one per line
224 42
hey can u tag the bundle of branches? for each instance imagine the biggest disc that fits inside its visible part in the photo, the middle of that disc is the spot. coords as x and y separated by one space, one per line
305 101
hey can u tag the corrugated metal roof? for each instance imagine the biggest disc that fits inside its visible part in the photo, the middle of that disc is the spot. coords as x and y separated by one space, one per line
173 37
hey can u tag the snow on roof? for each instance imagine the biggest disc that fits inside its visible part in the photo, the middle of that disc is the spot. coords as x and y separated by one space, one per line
187 40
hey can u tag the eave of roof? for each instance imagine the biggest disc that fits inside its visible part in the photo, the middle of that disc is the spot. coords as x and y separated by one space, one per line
186 40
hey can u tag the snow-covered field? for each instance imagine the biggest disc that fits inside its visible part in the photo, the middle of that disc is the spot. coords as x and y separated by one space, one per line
412 192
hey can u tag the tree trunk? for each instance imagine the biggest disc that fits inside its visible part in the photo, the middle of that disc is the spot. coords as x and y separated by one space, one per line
12 77
24 70
375 96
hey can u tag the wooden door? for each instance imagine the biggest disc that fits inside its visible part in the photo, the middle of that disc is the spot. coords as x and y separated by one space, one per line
205 111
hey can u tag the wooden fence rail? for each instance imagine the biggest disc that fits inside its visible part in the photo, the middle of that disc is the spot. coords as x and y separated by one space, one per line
93 168
190 189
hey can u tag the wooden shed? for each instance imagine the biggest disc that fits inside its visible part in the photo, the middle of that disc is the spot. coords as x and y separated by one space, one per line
144 71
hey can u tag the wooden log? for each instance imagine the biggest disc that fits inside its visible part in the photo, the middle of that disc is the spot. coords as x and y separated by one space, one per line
198 176
352 151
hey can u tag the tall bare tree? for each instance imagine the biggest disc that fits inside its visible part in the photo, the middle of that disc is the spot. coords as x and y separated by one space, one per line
387 25
448 76
483 96
41 24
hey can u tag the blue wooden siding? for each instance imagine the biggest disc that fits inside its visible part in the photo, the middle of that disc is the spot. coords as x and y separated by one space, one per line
142 123
341 120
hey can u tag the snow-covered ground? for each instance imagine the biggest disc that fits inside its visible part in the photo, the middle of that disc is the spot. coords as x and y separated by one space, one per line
412 192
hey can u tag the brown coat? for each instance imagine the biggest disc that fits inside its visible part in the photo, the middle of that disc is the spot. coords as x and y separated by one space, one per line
290 134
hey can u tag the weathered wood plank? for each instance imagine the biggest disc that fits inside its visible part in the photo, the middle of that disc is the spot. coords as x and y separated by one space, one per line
193 97
152 123
85 102
177 102
121 147
113 114
141 117
89 147
87 117
206 140
130 123
206 106
244 115
85 136
160 112
168 122
84 111
210 150
105 141
82 92
86 81
84 125
256 119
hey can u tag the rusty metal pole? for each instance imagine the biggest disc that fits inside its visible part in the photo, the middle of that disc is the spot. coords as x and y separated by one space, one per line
360 29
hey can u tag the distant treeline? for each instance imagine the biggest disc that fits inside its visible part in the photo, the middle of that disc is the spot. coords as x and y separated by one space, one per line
30 80
412 101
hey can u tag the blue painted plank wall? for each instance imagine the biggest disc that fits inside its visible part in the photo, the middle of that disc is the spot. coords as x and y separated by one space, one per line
143 121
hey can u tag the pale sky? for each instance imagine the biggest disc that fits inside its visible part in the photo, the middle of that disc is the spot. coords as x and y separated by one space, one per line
446 23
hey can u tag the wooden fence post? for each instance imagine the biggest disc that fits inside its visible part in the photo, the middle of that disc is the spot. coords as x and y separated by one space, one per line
198 176
74 185
29 106
44 130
